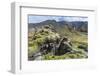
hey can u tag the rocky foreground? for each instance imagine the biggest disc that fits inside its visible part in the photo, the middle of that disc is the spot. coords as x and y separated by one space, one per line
46 43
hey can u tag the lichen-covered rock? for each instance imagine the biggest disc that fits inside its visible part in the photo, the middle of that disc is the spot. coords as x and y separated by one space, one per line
64 46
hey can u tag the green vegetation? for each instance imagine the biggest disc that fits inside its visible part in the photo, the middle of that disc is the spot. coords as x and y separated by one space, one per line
78 40
76 55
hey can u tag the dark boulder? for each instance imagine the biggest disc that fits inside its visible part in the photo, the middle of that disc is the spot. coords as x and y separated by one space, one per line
64 46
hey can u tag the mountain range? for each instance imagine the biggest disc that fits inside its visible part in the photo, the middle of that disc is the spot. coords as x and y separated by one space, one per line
81 26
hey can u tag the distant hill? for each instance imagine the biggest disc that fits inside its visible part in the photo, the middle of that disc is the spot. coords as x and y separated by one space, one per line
80 26
62 25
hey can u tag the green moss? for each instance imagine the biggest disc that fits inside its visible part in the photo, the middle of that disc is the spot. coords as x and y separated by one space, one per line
76 38
76 55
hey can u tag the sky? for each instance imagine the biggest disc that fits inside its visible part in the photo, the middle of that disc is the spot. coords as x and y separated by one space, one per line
37 18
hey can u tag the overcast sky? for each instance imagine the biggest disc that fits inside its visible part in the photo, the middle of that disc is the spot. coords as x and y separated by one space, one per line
37 19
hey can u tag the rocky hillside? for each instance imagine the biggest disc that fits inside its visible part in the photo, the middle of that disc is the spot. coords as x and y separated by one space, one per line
50 40
75 25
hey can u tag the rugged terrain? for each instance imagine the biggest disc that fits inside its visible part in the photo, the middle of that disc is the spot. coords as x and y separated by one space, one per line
65 40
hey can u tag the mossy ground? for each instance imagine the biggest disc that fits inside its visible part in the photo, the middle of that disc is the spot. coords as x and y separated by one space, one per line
77 39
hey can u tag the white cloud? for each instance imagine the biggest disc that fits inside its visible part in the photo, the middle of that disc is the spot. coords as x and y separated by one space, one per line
36 19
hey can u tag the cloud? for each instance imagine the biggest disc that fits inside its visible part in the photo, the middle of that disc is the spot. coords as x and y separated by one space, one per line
37 19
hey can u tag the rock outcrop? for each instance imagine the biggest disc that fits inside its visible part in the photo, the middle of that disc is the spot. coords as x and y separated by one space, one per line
50 41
